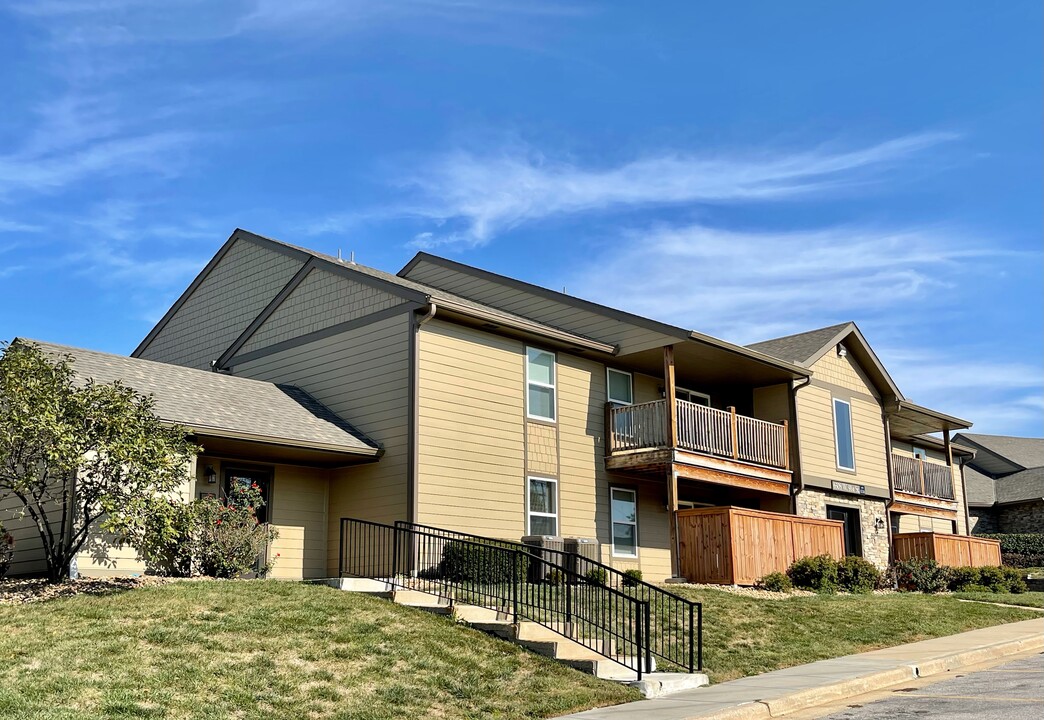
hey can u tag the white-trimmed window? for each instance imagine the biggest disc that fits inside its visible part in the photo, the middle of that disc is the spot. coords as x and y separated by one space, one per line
692 396
542 506
919 453
844 444
624 507
540 384
619 384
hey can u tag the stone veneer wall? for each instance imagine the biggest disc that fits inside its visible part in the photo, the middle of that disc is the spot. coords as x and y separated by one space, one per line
812 502
1022 518
983 521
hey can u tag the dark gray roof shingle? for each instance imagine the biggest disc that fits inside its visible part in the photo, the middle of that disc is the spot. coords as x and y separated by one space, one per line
1024 451
1022 486
800 347
215 403
981 490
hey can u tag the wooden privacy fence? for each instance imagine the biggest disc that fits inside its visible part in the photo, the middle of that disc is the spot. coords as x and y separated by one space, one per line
736 546
952 550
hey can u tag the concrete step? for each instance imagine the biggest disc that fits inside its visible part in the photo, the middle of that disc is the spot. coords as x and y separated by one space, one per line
365 585
474 614
416 598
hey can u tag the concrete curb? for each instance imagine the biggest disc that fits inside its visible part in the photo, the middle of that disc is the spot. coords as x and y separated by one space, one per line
805 699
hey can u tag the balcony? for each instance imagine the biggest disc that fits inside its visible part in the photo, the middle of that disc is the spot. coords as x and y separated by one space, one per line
917 477
720 441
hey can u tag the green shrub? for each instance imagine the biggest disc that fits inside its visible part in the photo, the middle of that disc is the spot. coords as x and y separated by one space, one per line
631 578
1014 581
7 543
775 582
814 573
961 578
857 575
1020 549
596 576
483 562
993 578
554 577
227 541
976 589
921 575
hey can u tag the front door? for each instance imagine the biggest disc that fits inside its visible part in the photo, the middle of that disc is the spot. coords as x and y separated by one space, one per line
850 517
244 477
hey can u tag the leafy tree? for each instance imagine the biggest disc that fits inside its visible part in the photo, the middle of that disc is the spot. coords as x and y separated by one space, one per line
80 455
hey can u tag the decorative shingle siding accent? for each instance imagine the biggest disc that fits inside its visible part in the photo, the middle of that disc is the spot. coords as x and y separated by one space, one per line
541 449
230 297
843 371
363 376
813 503
321 300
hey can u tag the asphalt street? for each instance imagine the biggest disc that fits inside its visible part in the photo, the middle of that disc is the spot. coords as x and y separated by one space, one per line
1013 691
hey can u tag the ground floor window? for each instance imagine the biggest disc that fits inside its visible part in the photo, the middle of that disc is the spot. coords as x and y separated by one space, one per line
852 531
244 477
625 522
543 506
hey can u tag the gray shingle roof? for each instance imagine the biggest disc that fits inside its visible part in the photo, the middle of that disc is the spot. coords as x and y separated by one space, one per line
981 489
800 347
1027 452
1021 486
218 404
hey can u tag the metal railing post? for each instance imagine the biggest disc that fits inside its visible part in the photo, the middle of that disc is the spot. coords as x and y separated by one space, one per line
340 551
648 637
395 554
692 623
569 603
699 637
514 586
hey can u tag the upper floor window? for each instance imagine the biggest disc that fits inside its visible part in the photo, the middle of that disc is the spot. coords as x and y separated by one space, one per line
620 388
843 441
919 453
540 384
692 396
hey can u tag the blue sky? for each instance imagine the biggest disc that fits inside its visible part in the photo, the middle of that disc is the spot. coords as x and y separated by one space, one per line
744 169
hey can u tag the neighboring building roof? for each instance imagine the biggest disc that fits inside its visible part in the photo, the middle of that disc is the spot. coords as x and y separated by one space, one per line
1023 486
980 490
209 403
1022 452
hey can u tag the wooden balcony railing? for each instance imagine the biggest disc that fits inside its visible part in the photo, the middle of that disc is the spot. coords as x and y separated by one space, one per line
912 475
701 429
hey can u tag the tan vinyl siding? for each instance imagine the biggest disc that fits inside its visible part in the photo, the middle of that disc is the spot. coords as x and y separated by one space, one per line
654 555
471 441
815 411
322 299
646 389
772 403
363 376
299 497
229 298
630 337
922 523
29 557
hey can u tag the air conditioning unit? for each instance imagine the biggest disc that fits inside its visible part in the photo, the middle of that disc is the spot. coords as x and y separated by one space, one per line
549 555
585 548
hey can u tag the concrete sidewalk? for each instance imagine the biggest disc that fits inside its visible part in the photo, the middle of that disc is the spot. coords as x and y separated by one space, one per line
785 691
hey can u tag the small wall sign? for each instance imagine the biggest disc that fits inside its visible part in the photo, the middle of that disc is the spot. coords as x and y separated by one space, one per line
848 487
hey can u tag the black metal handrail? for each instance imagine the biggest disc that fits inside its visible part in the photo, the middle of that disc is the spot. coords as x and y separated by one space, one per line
496 575
676 626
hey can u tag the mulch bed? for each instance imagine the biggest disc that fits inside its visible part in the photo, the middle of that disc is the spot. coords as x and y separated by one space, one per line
19 591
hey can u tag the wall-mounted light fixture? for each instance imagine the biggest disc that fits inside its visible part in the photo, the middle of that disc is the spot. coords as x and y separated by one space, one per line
841 350
879 524
209 474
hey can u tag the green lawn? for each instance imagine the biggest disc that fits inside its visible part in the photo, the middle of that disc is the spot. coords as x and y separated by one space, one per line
1030 599
746 636
266 649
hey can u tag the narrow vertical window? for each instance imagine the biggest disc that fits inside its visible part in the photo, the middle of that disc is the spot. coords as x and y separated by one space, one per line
543 506
540 384
843 441
624 508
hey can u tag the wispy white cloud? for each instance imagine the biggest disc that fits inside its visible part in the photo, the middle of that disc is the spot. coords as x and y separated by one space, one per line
14 226
470 198
749 285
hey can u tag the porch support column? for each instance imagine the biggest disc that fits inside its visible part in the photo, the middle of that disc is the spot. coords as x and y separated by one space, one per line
672 442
